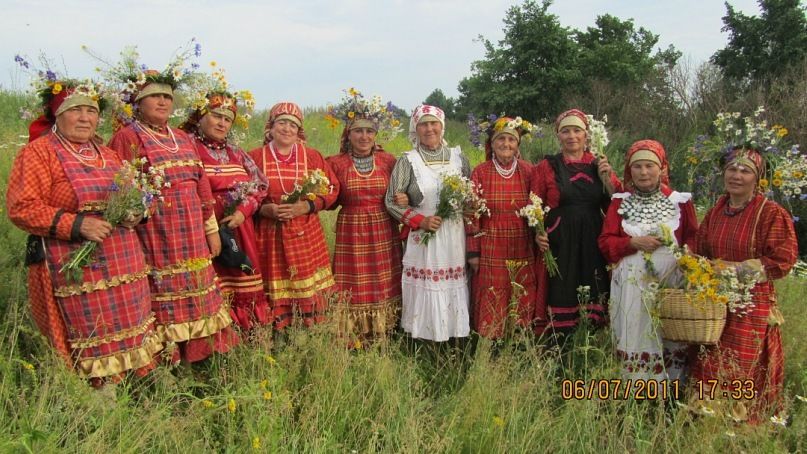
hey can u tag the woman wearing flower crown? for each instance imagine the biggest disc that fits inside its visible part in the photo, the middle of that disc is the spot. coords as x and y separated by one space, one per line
576 187
181 237
102 326
367 257
503 236
434 285
292 253
638 226
238 187
746 230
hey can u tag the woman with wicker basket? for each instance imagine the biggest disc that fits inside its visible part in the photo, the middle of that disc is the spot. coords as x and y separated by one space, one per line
747 231
638 226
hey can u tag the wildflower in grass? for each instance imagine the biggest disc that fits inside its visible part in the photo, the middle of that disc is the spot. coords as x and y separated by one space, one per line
207 403
270 360
801 398
231 405
357 344
256 443
730 434
775 419
535 213
264 384
498 421
28 366
267 395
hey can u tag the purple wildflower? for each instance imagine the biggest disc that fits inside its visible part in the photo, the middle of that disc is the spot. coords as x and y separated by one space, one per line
796 219
492 118
21 61
194 66
50 75
114 187
197 49
144 67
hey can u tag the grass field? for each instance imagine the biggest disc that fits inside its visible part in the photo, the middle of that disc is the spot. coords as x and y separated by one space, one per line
306 393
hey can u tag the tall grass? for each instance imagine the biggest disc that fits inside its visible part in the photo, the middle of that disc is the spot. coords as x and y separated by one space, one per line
305 392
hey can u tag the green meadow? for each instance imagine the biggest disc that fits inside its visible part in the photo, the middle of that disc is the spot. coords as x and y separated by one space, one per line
305 392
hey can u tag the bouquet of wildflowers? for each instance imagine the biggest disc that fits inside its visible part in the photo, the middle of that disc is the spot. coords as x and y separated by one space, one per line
597 135
459 197
134 192
717 284
785 177
535 213
493 123
240 192
315 183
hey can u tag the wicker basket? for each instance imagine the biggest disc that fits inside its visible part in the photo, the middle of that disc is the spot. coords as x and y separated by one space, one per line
683 322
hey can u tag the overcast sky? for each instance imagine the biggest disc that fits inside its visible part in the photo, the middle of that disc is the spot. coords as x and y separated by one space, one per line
308 51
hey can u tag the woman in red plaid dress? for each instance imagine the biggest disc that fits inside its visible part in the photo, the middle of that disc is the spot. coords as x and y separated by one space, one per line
102 325
746 230
228 166
181 237
367 260
292 252
503 236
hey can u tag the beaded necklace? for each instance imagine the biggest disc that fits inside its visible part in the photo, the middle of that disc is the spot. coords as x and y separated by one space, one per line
216 150
277 166
153 137
434 155
363 165
505 173
87 159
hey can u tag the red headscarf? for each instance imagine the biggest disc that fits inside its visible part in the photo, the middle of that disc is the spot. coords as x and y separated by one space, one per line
657 149
748 157
215 101
283 108
571 112
41 125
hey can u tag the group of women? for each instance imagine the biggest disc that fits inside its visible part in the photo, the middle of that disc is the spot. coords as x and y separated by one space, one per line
155 285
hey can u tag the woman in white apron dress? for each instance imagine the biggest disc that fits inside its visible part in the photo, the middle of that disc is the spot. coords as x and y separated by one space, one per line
435 294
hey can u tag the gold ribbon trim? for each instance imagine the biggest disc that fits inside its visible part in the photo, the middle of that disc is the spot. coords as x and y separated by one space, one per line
178 163
303 288
185 331
92 206
168 296
188 266
117 363
370 318
103 284
116 337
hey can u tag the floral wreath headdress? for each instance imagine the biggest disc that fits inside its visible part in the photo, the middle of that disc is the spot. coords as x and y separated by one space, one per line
783 177
211 92
491 125
132 77
354 106
55 91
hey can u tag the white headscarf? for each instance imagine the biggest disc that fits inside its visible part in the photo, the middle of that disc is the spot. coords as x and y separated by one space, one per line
421 111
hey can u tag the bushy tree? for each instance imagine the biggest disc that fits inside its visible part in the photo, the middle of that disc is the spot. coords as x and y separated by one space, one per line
764 46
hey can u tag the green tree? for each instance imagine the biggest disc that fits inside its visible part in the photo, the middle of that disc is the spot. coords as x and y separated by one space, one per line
764 46
528 71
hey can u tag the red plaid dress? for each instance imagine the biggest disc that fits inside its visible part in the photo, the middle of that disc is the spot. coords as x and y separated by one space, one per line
367 260
498 238
184 290
751 346
103 325
225 168
293 256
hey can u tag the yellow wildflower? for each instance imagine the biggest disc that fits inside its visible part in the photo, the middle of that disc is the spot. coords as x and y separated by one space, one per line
692 160
57 88
351 115
28 366
777 174
763 183
357 344
498 421
270 360
798 174
213 64
267 395
776 182
353 92
231 405
256 443
207 403
311 197
264 384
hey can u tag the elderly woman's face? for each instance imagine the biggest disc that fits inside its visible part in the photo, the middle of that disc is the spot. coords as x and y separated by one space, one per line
740 181
430 134
505 148
156 109
362 140
78 124
284 132
645 175
215 126
572 139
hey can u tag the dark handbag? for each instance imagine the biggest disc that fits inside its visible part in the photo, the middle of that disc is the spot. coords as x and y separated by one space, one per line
232 256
